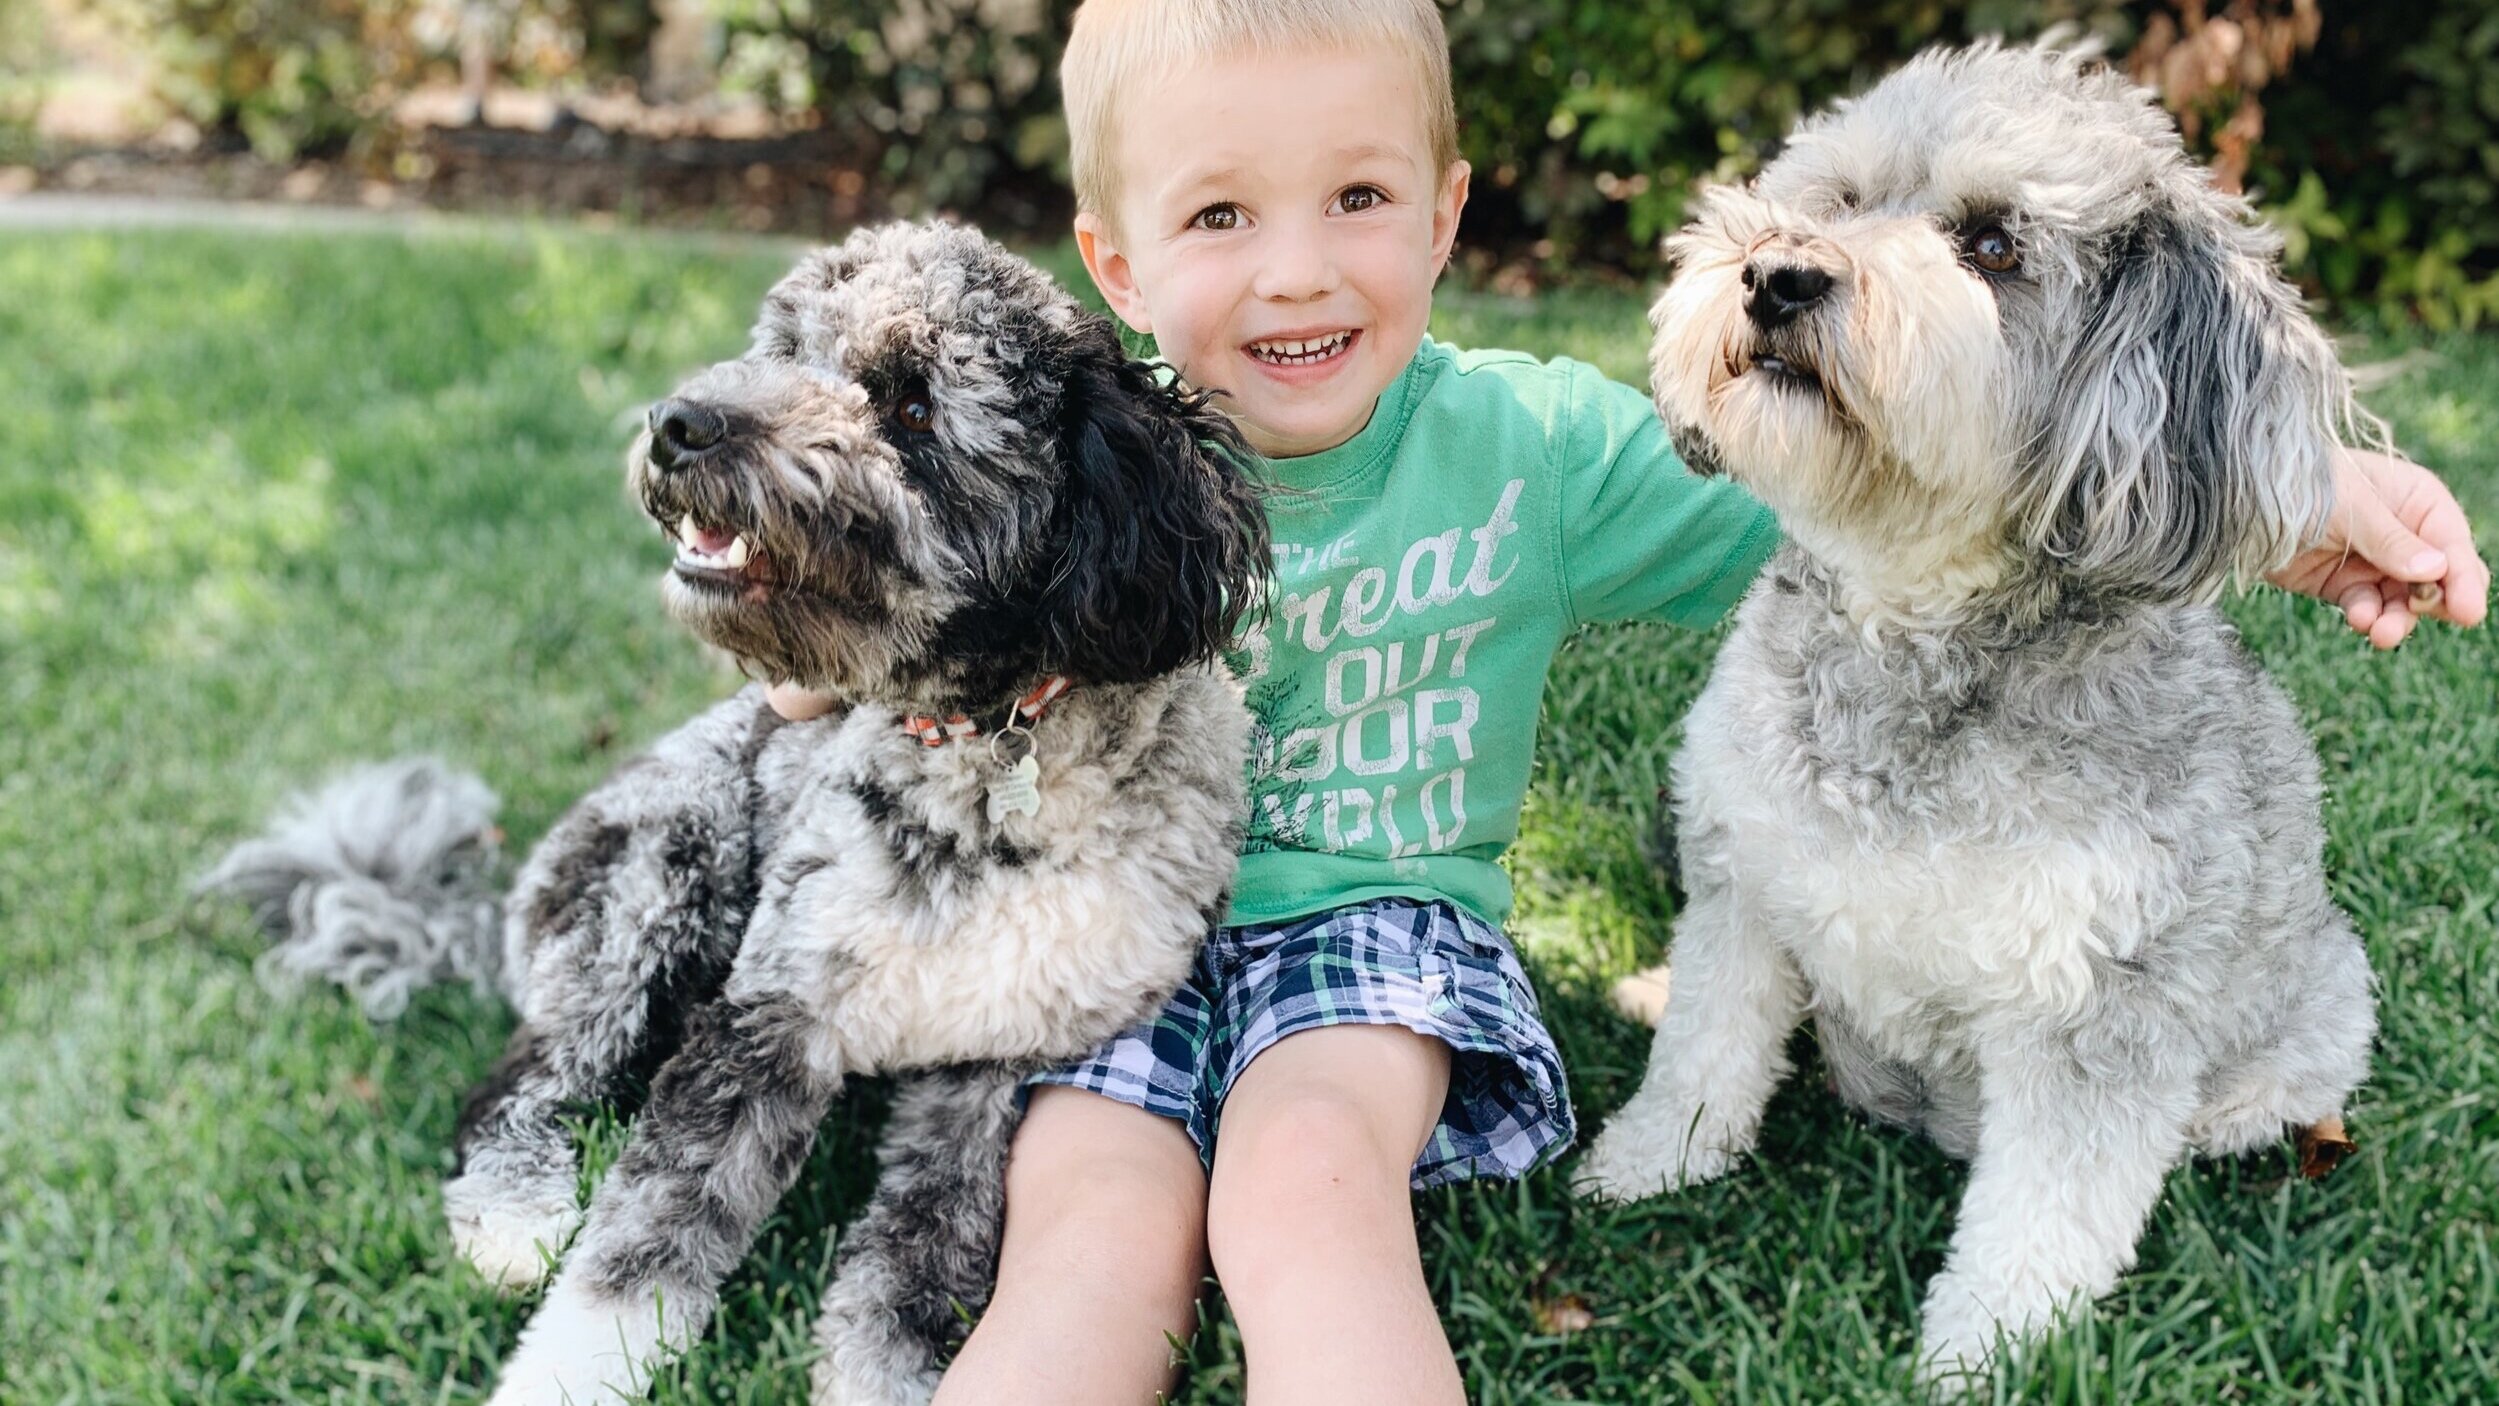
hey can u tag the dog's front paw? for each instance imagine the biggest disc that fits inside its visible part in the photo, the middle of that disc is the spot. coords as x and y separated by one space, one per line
1968 1324
851 1380
511 1231
582 1348
1640 1154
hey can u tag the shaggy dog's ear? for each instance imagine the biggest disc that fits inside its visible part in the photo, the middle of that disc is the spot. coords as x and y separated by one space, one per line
2201 408
1166 539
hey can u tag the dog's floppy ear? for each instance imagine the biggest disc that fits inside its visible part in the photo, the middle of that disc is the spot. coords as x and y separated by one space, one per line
1166 539
2192 434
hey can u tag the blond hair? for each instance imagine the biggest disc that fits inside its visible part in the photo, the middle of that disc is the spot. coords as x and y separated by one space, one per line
1116 45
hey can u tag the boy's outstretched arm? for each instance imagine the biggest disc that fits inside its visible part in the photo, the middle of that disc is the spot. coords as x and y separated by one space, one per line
2395 530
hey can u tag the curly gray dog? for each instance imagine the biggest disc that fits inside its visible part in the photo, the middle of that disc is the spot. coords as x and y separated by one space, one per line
1983 781
940 491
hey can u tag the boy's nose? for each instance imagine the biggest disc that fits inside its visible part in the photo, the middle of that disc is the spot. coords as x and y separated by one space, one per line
1298 265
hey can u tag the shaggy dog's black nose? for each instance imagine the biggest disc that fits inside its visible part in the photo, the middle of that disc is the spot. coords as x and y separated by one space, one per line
681 429
1780 291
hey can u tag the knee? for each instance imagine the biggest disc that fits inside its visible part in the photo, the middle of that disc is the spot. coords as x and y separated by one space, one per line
1125 1211
1312 1170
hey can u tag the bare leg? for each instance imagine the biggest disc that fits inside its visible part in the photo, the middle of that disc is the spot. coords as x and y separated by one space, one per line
927 1242
1720 1052
1102 1256
1311 1222
729 1122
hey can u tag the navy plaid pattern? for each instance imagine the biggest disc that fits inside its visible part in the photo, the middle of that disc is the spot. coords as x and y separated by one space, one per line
1431 967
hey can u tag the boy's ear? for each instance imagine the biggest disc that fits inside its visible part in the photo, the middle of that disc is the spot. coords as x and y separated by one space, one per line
1445 212
1111 272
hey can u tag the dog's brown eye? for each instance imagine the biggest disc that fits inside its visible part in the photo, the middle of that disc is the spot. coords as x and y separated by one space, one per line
917 412
1992 249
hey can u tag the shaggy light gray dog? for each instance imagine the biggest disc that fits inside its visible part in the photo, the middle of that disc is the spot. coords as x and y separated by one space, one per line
1982 781
939 490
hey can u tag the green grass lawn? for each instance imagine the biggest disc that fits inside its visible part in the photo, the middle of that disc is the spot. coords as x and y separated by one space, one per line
271 504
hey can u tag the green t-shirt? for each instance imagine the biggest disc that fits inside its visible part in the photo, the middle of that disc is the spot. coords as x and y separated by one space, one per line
1425 572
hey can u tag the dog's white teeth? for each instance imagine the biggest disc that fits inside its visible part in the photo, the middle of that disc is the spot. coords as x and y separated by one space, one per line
735 557
687 532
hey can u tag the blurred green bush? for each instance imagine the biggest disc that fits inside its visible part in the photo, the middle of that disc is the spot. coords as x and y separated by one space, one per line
309 76
961 97
290 75
2369 130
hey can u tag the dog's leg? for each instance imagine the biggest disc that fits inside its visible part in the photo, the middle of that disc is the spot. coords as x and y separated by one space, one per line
926 1248
2072 1150
727 1128
1720 1051
627 914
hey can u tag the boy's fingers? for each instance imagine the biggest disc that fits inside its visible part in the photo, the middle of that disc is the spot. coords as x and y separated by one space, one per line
2394 620
2379 536
2360 607
2467 587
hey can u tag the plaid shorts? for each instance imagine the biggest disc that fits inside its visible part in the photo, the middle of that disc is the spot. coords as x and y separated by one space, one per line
1433 968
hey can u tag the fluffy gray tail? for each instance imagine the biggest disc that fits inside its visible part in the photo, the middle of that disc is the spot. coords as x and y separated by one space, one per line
382 881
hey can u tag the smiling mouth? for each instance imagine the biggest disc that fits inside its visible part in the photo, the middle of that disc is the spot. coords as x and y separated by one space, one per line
715 556
1301 351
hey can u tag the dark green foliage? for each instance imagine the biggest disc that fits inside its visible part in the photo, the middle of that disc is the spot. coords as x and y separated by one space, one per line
2383 156
959 97
1591 123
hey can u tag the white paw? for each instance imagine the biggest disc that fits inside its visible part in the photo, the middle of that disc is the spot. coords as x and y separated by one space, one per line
1638 1156
1968 1323
579 1351
511 1231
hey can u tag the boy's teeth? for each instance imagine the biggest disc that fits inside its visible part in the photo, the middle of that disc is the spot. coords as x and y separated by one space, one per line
1298 350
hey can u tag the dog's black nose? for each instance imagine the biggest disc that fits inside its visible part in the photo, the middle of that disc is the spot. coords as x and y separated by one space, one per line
681 429
1781 291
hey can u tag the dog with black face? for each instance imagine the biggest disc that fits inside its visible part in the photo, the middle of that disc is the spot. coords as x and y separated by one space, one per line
938 490
1982 781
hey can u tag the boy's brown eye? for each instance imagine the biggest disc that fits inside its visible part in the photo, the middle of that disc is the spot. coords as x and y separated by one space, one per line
1218 217
1358 199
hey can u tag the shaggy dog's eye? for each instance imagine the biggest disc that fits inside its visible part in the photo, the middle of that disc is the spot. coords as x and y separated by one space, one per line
915 411
913 408
1989 247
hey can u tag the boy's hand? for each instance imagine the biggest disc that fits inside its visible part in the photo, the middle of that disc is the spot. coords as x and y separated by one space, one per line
797 704
2395 529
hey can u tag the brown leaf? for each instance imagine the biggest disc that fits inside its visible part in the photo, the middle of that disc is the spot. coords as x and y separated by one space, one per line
2322 1148
1563 1316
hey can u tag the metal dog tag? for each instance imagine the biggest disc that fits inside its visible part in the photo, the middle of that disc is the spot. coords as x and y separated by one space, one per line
1017 791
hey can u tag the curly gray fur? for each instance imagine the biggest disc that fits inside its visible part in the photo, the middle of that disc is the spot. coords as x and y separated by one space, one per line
382 882
1982 781
931 482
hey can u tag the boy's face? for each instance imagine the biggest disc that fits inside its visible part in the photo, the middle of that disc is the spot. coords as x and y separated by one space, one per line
1279 228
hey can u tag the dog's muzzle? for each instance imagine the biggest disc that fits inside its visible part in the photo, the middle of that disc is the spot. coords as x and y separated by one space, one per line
681 430
1780 287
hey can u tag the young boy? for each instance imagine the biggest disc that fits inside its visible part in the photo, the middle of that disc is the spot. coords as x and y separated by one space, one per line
1271 188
